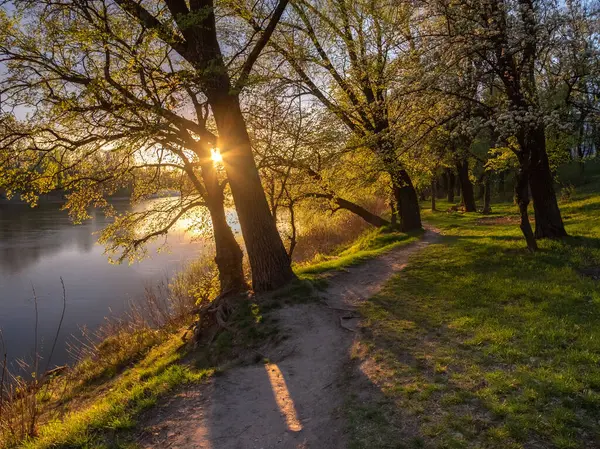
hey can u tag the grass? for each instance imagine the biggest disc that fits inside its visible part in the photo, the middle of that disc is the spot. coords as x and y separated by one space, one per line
480 344
104 422
72 406
368 246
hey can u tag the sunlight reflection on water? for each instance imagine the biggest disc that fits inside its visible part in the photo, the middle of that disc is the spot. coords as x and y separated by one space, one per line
38 246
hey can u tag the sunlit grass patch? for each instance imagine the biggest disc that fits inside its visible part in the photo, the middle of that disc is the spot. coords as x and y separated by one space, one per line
368 246
102 422
480 344
115 353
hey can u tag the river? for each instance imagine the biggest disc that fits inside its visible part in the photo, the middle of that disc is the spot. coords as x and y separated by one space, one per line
39 246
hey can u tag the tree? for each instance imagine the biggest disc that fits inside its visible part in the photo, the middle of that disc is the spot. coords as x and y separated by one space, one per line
466 186
350 56
302 152
180 39
571 85
65 143
509 38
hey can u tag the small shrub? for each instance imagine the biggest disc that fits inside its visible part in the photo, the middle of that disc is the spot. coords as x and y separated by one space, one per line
197 283
567 193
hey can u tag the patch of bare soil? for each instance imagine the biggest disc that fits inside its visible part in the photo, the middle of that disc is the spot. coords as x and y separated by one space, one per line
294 400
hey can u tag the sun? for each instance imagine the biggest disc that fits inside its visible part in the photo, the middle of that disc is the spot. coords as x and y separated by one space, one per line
215 155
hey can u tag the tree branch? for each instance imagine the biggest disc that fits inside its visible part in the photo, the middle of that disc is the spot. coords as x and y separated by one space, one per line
260 45
145 18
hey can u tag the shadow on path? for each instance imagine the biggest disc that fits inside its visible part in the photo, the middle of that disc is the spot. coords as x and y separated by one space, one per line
294 400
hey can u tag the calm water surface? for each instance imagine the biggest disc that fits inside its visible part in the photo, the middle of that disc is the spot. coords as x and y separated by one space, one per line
38 246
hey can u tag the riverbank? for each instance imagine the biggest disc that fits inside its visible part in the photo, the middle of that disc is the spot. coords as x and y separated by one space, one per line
39 246
98 402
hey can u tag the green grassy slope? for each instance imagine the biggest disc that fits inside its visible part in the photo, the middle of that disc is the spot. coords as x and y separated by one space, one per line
369 245
480 344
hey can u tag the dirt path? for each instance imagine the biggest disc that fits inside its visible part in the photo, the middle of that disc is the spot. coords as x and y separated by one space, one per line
294 401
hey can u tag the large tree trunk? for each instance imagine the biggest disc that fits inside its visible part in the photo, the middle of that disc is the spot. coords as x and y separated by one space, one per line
271 266
521 89
468 197
433 193
548 220
407 202
451 187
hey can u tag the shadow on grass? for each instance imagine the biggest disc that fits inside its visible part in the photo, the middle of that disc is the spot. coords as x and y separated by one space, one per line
479 343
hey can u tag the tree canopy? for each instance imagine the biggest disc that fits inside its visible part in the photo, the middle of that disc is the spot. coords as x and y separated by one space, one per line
271 106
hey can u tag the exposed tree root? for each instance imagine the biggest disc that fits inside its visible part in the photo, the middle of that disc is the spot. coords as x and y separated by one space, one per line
213 317
343 325
341 309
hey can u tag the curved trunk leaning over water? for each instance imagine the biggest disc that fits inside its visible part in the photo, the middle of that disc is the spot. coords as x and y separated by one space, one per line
199 46
229 255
